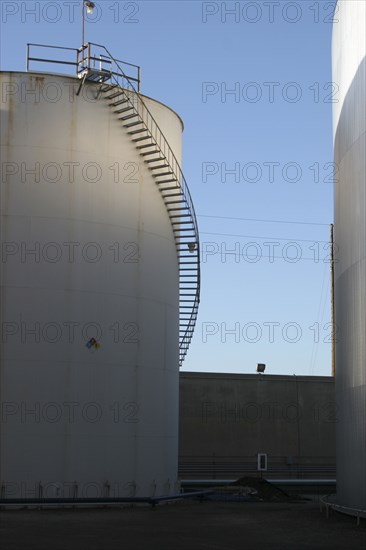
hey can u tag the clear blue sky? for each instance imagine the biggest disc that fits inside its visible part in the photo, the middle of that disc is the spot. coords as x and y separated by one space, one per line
280 147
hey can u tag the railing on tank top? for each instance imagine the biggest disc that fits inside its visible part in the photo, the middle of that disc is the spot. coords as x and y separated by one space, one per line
77 56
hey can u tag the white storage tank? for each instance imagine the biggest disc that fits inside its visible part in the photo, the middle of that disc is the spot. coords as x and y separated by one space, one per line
349 123
89 295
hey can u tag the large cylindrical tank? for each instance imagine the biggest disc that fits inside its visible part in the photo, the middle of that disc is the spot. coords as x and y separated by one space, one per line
349 123
89 296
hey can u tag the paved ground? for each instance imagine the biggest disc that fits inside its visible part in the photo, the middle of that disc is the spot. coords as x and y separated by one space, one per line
183 526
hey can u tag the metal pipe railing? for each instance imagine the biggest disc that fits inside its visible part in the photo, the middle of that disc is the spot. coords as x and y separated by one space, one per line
168 153
358 513
289 482
80 59
101 501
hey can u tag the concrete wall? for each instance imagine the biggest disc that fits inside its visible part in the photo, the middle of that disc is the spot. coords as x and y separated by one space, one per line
226 419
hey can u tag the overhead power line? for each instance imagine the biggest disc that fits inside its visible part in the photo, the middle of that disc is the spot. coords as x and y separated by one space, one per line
261 220
261 238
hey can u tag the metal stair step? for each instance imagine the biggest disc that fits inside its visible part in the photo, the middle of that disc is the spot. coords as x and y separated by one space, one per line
125 110
121 102
166 181
185 319
134 115
181 256
174 188
165 165
136 140
168 197
189 288
180 215
155 152
133 132
185 237
145 146
163 174
109 87
132 124
149 161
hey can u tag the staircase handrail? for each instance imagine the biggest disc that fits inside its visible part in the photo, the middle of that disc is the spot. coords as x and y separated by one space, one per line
179 176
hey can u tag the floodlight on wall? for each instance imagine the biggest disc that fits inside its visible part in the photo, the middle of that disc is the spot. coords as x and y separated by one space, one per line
261 367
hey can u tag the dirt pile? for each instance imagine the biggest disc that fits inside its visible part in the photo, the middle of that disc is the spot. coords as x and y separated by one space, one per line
252 488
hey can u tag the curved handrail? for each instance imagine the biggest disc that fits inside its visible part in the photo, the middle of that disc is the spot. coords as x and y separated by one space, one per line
169 155
328 502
